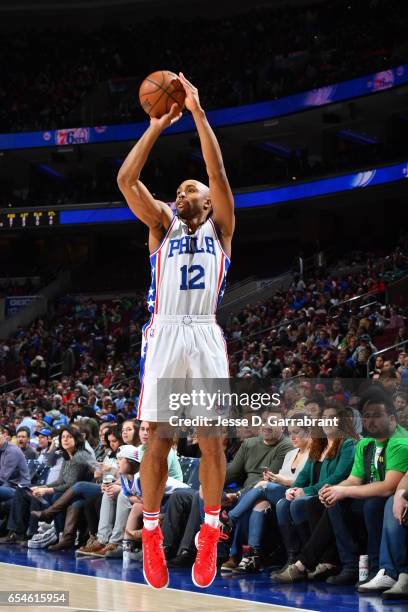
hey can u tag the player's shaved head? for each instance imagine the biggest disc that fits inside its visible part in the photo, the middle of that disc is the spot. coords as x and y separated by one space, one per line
192 199
201 186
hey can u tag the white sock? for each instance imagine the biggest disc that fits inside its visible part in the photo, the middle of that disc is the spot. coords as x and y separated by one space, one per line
150 520
212 515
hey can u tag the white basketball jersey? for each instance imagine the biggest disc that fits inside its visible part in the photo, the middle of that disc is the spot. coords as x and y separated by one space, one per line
188 271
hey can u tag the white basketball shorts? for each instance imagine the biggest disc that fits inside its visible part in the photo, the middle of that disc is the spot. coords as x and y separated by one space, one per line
178 347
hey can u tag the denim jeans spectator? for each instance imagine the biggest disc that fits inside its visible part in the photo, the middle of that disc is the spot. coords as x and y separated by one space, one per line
84 491
294 521
394 544
348 518
293 511
6 493
248 523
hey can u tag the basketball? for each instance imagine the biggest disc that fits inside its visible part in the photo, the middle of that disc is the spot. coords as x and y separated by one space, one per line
159 91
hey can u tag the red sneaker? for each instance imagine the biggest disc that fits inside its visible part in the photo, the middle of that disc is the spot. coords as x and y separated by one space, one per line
205 566
154 561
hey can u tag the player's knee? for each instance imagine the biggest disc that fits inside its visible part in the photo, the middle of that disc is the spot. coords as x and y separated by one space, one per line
160 447
211 448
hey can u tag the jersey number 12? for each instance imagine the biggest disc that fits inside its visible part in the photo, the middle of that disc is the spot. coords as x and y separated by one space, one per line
191 277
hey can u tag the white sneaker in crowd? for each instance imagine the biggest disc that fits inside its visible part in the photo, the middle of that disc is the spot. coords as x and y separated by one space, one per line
399 590
380 582
43 540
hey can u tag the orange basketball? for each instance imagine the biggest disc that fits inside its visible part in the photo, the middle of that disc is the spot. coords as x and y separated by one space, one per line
159 91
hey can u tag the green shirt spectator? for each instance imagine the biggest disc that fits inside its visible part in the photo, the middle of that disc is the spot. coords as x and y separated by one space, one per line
395 454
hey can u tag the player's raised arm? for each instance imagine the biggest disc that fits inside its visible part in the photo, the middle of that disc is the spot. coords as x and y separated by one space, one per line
155 214
220 191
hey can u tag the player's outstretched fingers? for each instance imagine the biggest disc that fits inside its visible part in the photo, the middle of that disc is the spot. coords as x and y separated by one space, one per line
186 82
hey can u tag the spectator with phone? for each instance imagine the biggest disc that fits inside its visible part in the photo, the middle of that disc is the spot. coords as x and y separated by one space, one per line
45 454
268 450
249 513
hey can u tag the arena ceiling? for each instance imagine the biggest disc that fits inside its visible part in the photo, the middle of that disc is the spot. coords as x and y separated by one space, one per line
209 6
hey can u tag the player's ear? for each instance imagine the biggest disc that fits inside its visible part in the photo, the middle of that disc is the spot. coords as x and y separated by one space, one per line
207 204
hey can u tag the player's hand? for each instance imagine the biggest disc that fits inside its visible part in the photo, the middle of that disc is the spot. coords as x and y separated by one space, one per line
168 119
192 99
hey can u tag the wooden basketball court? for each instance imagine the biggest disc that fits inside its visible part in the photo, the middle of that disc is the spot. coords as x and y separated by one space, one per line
95 594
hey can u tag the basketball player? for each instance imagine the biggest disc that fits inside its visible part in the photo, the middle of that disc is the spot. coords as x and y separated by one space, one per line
189 256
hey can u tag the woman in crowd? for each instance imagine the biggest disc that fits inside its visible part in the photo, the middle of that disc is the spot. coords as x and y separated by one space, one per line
82 491
131 433
113 440
102 449
249 513
330 461
76 466
90 430
378 367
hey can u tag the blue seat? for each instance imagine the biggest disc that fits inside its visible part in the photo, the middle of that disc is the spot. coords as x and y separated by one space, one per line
189 467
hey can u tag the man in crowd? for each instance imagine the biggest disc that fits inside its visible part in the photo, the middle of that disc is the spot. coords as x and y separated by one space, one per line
23 442
392 578
13 467
380 462
401 406
44 443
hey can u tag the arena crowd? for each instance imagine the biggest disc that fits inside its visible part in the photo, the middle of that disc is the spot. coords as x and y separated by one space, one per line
280 52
